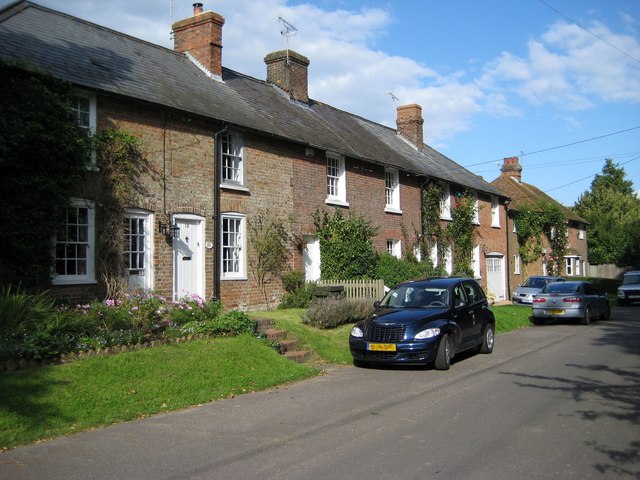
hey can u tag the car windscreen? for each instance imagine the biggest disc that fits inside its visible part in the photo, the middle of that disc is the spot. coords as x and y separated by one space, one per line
561 288
535 282
629 279
412 296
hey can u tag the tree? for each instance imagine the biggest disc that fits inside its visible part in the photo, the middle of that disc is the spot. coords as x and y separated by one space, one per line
269 237
613 213
345 246
43 157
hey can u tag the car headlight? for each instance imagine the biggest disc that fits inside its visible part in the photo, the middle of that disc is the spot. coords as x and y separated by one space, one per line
357 332
428 333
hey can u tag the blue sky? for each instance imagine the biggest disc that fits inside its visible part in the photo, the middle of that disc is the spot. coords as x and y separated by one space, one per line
552 81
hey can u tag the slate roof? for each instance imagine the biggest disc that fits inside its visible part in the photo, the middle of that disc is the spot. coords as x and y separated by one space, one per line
105 60
521 192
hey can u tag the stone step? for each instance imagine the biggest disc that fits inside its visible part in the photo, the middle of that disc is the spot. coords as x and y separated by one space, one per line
264 323
299 356
288 345
275 334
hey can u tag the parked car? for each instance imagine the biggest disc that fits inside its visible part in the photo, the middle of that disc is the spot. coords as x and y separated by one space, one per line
570 300
629 291
532 286
425 321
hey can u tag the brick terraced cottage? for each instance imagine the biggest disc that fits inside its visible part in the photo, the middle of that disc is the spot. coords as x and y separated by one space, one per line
221 146
575 261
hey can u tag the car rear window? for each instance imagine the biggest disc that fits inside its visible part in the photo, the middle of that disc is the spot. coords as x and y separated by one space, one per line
561 288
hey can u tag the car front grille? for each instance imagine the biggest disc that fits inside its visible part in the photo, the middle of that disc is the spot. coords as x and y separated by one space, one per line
378 333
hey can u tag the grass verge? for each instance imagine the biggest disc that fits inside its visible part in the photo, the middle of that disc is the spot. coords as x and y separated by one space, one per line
59 400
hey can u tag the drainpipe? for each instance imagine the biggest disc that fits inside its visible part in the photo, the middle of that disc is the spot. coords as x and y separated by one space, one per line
216 215
506 209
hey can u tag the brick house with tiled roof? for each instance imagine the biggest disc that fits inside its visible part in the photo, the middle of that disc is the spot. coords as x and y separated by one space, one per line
576 259
222 146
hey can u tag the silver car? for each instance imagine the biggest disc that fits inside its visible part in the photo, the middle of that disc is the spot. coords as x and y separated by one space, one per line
532 286
570 300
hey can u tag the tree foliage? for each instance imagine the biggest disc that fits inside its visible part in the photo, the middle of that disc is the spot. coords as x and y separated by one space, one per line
613 213
346 249
43 157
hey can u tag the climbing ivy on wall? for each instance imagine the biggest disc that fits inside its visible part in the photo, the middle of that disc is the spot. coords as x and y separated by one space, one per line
536 222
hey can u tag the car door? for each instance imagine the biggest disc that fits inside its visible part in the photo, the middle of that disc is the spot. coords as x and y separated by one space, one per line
462 315
478 309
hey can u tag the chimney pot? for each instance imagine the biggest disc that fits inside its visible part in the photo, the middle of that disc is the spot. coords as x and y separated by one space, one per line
511 168
197 8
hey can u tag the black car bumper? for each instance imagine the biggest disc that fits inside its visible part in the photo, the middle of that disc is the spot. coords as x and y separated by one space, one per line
416 353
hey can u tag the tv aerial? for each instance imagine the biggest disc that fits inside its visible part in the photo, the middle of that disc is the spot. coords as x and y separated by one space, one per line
287 31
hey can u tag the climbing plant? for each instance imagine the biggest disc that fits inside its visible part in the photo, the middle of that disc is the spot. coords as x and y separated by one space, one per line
460 232
536 222
43 159
120 161
432 231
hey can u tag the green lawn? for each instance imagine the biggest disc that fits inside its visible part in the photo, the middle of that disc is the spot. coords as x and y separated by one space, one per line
58 400
45 402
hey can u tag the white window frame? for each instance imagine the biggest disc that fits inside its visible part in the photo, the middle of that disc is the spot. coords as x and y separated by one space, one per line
238 249
448 260
392 190
516 264
336 180
476 209
475 262
232 153
581 233
88 245
445 202
394 247
142 251
495 212
86 120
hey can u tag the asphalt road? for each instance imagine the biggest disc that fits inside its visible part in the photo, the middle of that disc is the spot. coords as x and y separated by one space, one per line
558 401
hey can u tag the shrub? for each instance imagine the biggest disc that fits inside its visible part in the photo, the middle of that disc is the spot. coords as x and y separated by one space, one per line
394 271
293 280
298 294
23 313
231 323
331 312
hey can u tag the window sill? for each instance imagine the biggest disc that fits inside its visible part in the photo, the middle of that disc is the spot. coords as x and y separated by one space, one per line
336 201
495 226
57 282
448 219
231 279
237 188
397 211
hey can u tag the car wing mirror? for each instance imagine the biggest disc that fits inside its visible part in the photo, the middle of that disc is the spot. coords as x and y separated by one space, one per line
376 304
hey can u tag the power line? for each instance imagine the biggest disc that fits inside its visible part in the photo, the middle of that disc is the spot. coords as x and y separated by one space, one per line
589 31
586 178
522 154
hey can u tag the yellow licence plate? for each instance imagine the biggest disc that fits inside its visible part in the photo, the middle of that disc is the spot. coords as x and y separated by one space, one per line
383 347
556 312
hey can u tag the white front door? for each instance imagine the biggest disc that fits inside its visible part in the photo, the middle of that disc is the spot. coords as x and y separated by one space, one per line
311 258
495 276
188 258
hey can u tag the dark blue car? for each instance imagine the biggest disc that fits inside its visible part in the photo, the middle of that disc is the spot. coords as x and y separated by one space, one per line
425 321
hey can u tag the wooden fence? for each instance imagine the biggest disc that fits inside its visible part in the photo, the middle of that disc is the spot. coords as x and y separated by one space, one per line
357 288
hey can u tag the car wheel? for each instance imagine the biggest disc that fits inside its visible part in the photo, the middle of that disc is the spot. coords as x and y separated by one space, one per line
586 320
443 357
621 303
487 339
537 321
607 313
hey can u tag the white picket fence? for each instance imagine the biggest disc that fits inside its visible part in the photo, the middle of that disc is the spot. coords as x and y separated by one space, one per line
372 289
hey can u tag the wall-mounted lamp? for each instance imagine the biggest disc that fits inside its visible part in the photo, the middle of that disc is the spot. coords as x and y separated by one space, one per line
173 231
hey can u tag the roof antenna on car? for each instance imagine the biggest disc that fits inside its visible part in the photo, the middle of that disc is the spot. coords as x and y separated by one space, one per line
287 31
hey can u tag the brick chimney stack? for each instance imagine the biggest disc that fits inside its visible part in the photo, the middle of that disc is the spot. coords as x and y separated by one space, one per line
511 168
289 71
409 122
201 37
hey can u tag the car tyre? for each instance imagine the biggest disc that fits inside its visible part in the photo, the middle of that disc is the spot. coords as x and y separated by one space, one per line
586 320
607 313
443 357
621 302
537 321
488 338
